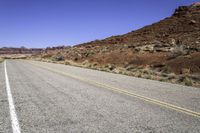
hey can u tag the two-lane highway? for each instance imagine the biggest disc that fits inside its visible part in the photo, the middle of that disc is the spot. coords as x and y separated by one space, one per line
57 98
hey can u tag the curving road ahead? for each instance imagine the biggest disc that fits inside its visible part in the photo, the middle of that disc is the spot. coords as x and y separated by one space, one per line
37 97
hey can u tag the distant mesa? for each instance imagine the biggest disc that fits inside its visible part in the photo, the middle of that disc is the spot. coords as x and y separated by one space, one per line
21 50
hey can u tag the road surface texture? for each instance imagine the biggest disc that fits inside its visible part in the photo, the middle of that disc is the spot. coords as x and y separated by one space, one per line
54 98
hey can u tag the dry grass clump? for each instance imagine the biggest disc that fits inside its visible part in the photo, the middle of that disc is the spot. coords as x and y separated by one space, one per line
146 72
186 81
1 60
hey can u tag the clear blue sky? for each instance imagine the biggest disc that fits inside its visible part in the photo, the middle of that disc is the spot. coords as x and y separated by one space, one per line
42 23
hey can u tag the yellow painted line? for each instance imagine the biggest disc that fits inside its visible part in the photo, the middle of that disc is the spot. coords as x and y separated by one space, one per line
125 92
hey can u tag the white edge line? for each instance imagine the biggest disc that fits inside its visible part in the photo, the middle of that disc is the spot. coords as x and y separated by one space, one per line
13 115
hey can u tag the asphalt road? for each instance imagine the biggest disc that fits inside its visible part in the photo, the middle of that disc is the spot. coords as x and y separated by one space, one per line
54 98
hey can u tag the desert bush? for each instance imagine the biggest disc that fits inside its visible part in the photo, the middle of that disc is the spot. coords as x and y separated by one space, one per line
110 66
178 51
139 75
67 63
59 58
185 71
171 76
188 81
166 70
130 67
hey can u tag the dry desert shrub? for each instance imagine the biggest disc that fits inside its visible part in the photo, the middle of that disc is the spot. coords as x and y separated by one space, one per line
178 51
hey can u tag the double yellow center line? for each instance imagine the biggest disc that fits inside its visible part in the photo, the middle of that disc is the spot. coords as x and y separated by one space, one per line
124 91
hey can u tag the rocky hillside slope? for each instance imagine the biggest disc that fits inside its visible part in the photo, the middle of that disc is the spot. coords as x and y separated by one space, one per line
168 50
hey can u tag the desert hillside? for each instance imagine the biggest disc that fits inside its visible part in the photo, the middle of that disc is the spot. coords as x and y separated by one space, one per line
168 50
